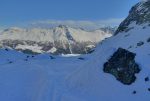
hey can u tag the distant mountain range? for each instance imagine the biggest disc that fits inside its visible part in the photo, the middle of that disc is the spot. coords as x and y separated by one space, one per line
118 70
58 40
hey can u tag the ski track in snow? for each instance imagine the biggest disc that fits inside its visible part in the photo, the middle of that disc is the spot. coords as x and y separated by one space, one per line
47 75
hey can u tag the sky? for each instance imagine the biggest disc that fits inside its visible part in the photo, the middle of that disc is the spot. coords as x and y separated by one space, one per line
20 12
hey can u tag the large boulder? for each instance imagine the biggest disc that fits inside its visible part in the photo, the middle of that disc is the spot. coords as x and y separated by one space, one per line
123 66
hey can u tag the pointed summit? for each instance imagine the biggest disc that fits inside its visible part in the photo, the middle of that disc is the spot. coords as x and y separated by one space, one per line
63 26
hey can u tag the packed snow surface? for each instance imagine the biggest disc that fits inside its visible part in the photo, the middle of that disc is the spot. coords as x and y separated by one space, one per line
81 78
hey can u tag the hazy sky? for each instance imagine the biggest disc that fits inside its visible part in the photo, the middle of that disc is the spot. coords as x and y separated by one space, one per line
13 12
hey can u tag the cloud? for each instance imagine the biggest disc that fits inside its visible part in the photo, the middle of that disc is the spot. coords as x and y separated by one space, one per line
145 0
79 23
2 28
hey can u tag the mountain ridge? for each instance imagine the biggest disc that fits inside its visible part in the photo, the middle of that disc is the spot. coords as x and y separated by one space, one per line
62 39
139 13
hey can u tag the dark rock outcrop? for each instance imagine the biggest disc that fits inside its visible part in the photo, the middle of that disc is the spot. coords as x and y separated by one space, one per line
134 92
140 43
148 40
123 66
149 89
80 58
146 79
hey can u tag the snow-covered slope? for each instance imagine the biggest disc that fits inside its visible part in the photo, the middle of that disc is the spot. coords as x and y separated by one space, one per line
95 85
81 78
64 39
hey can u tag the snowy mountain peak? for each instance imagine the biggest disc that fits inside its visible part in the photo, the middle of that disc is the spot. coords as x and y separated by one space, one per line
63 26
13 29
63 31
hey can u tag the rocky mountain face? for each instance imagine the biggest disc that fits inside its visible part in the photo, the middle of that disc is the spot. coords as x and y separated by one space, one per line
140 13
109 29
59 40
